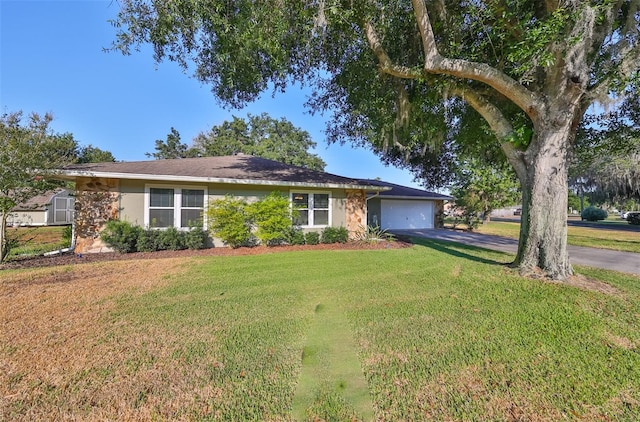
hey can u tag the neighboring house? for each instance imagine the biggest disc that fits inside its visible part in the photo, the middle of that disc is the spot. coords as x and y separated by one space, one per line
164 193
402 207
49 209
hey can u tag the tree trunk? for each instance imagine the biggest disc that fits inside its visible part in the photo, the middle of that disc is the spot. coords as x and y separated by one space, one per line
543 232
3 236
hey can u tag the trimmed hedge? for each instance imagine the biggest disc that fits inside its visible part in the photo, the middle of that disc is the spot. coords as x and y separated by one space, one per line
125 237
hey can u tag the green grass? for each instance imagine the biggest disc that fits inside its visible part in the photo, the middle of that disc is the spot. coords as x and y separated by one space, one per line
37 240
439 331
617 240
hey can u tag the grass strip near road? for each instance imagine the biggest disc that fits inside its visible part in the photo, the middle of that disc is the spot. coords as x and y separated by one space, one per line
617 240
441 331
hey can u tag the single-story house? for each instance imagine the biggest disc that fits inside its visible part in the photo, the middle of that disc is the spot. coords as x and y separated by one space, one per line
164 193
49 209
402 207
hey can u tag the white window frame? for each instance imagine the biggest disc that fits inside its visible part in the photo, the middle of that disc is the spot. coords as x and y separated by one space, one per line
177 204
311 207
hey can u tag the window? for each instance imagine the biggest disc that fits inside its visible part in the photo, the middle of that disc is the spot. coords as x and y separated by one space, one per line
174 207
191 208
312 208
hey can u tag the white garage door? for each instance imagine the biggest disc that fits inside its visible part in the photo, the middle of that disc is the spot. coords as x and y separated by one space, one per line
399 214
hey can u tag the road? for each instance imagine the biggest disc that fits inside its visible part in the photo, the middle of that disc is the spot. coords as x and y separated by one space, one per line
590 224
626 227
626 262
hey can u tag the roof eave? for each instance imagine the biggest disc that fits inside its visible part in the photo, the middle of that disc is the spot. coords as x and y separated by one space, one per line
72 174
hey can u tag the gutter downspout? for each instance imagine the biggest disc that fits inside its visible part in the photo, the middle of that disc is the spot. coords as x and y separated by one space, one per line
366 200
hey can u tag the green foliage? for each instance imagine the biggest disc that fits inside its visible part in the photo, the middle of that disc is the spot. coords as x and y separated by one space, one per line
272 218
172 148
480 189
593 214
312 238
371 234
171 239
67 232
195 238
124 237
261 136
574 201
295 236
91 154
230 221
148 240
334 235
121 236
29 155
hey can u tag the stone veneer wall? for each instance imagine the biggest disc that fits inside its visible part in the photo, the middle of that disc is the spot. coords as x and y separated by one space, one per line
356 212
96 203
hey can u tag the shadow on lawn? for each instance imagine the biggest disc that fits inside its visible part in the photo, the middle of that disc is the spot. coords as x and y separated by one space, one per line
458 250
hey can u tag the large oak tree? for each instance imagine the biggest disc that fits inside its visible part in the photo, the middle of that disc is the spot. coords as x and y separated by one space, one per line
398 74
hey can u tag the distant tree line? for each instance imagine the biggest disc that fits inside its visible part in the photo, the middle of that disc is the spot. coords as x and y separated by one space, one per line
262 136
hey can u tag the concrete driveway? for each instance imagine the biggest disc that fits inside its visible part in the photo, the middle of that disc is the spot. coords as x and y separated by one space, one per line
625 262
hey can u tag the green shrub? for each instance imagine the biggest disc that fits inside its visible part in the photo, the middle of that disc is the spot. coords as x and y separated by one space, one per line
230 221
272 217
294 236
371 234
312 238
593 214
148 240
122 236
334 235
67 232
195 238
171 239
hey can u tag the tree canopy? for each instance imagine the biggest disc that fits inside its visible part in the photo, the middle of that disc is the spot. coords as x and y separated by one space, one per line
172 148
262 136
29 153
398 75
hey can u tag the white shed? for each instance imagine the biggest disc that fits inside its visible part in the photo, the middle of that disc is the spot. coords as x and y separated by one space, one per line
53 208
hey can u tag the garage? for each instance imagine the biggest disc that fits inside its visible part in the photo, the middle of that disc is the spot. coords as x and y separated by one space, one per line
404 208
406 214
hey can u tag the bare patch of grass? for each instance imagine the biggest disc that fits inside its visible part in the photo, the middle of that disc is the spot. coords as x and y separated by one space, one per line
53 355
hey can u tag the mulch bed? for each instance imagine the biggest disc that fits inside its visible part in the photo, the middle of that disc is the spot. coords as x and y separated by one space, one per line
72 258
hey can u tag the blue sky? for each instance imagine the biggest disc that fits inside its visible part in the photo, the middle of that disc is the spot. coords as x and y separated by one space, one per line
52 60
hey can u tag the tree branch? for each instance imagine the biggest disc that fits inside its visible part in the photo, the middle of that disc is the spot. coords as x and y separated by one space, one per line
498 123
436 64
385 63
628 65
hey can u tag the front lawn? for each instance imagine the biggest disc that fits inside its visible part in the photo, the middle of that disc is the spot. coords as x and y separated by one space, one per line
617 240
431 332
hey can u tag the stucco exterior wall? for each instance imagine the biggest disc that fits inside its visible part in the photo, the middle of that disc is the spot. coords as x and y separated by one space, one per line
125 200
97 201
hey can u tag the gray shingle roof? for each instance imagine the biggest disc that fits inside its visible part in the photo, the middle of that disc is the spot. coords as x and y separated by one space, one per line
405 192
237 168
